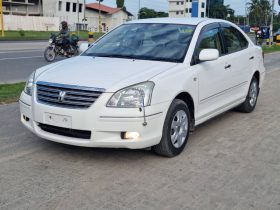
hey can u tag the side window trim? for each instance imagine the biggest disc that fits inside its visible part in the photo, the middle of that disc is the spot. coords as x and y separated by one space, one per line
226 25
208 27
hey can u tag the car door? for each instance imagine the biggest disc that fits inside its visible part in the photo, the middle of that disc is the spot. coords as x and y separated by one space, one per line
240 58
213 76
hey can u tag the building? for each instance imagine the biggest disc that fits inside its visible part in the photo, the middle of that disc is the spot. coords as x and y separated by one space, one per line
27 15
72 11
22 7
110 17
45 15
187 8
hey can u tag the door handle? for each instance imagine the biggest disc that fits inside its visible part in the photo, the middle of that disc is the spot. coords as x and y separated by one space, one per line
227 66
251 58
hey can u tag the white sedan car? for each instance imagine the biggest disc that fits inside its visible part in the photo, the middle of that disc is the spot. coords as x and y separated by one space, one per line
147 83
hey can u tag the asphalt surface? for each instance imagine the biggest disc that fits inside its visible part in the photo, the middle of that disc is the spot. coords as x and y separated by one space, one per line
18 60
231 162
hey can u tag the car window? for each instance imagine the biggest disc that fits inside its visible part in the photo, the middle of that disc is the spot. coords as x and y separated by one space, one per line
154 41
209 39
243 41
234 40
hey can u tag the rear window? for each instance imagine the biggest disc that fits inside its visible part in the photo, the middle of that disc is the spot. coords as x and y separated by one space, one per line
234 40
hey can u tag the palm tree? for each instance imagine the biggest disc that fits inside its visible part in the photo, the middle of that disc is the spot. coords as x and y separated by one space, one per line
221 11
259 11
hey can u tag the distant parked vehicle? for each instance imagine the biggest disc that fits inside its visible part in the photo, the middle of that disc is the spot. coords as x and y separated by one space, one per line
277 33
58 48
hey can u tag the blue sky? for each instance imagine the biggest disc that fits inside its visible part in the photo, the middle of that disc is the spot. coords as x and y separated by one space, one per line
162 5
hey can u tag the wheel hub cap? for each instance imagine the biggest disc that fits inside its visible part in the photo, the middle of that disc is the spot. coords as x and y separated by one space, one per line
179 129
253 93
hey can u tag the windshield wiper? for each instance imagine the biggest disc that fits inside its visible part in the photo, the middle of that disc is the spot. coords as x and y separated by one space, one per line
112 56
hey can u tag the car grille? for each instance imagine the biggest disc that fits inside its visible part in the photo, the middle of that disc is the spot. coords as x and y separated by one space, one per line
81 134
67 96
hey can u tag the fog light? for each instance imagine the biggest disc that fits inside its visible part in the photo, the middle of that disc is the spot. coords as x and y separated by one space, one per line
130 135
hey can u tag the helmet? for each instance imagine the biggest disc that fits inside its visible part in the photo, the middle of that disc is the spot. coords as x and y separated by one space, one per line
64 25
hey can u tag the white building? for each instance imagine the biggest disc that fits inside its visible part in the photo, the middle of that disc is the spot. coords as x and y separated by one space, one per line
110 17
187 8
22 7
45 15
52 12
72 11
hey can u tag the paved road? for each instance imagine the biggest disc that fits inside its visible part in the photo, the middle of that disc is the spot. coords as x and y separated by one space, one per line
231 162
19 60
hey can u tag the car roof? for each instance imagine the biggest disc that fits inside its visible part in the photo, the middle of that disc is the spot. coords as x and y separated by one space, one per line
187 21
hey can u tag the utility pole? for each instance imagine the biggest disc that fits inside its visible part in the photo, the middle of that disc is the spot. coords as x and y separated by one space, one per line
139 7
78 24
99 17
209 3
2 17
185 7
271 22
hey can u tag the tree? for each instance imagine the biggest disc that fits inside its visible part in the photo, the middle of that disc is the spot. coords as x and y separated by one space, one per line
120 3
221 11
259 12
150 13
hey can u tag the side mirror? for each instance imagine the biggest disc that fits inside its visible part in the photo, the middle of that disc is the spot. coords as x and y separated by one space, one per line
83 47
208 55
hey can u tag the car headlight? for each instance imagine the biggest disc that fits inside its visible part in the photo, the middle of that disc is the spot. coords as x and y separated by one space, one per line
135 96
29 84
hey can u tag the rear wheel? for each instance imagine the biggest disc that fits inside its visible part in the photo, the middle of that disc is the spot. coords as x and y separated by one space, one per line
49 54
175 131
252 97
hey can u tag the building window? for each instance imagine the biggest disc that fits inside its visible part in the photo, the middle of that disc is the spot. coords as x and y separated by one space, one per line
80 7
74 7
182 12
177 13
177 2
182 3
59 5
67 6
202 5
187 10
190 10
202 14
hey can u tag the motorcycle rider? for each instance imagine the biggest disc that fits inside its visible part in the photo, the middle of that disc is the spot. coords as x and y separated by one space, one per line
64 33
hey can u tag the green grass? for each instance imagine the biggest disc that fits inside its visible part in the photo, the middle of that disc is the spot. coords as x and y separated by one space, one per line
10 92
271 49
39 35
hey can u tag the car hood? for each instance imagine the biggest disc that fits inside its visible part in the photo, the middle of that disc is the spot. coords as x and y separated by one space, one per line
111 74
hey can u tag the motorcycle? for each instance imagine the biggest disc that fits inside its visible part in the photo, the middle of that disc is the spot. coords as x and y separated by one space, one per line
56 48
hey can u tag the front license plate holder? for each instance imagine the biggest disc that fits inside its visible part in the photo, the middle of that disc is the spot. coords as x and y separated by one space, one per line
63 121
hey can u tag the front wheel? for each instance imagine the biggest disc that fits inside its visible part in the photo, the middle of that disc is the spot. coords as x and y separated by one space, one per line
175 130
251 99
49 54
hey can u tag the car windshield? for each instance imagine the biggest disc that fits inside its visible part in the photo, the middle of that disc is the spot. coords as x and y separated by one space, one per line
146 41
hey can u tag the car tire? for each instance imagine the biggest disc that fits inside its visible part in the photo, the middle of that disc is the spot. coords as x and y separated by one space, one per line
250 103
176 130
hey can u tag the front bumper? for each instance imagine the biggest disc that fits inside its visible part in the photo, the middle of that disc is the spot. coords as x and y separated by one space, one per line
105 124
